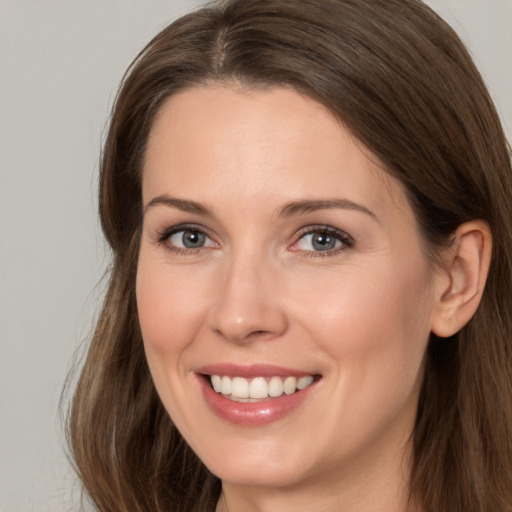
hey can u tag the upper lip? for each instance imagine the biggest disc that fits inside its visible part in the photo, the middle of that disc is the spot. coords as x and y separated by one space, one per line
250 370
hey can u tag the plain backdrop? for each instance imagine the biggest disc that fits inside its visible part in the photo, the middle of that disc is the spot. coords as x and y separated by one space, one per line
60 64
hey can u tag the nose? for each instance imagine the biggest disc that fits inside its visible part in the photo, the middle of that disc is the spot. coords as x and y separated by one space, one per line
249 303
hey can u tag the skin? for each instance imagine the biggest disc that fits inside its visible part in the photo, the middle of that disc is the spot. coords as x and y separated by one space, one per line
258 293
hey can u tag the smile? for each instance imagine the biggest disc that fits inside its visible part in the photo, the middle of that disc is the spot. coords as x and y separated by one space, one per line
255 395
241 389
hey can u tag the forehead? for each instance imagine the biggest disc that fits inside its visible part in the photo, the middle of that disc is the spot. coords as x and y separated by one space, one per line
219 142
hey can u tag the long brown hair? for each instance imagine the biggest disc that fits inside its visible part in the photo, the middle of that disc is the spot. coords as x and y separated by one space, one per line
400 79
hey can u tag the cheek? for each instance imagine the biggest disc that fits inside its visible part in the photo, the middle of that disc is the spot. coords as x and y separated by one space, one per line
374 339
376 317
168 310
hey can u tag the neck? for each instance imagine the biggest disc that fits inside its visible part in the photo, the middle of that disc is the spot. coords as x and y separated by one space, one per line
357 488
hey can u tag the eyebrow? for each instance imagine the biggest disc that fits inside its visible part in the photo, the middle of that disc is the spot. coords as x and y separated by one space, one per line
180 204
288 210
308 206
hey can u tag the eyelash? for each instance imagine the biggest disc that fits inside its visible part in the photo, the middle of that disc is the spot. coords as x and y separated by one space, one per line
346 240
164 236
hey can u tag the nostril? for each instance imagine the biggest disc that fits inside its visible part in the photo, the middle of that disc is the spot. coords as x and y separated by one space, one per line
245 320
259 333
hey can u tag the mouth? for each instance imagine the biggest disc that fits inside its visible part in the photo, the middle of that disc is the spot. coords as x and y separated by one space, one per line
255 395
241 389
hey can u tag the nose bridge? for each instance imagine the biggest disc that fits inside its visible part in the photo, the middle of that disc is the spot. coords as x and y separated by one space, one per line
248 302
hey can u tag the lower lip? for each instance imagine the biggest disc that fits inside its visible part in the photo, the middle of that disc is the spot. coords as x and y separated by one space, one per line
252 413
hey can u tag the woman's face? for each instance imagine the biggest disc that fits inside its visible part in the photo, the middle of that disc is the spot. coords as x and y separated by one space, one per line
277 255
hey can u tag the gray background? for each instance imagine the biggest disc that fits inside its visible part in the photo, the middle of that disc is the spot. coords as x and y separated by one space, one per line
60 63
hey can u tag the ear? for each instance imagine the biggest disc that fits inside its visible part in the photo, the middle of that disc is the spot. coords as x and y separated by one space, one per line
460 280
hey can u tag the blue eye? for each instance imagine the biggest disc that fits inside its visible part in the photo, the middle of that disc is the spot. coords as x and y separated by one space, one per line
189 239
323 240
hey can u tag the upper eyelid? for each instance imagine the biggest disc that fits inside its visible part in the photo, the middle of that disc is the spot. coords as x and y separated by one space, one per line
301 231
166 232
326 228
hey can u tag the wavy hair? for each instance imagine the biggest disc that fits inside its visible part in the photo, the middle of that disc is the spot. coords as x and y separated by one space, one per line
403 83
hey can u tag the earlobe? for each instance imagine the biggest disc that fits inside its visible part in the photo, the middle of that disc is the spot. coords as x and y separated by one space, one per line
460 282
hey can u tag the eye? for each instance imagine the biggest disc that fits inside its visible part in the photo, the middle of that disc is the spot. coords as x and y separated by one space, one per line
189 239
323 240
183 239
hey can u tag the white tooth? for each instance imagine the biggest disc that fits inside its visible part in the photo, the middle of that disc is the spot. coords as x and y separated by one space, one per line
216 383
226 386
275 387
240 387
304 382
258 388
290 385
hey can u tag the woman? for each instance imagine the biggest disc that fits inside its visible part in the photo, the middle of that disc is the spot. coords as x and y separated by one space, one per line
308 207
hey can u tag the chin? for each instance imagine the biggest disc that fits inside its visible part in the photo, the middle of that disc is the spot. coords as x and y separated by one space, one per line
258 474
265 462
